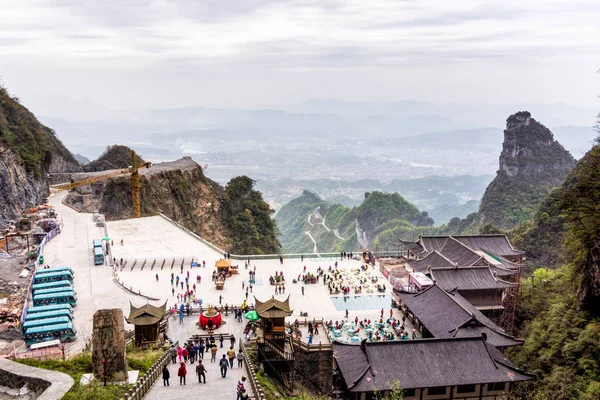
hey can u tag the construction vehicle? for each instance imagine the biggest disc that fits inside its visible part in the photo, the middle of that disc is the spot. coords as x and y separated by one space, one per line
135 182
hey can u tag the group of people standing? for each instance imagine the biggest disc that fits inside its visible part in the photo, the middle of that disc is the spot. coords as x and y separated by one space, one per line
194 351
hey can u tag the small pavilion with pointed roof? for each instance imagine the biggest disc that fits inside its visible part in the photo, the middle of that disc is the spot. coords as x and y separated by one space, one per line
274 350
147 321
273 313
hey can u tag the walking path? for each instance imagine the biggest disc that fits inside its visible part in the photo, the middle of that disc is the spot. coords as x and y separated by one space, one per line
93 283
216 387
315 250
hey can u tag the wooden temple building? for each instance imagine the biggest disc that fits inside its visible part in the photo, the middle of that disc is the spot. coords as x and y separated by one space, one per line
496 245
478 285
438 313
484 269
458 368
463 319
274 348
149 322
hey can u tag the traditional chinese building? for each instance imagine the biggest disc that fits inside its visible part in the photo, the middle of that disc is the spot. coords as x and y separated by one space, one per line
451 368
496 245
478 285
274 349
437 313
148 321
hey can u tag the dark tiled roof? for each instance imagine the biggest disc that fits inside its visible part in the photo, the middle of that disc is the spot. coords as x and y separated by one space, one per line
467 278
415 248
353 362
431 243
433 260
146 314
498 244
501 261
273 308
459 253
446 315
501 272
423 363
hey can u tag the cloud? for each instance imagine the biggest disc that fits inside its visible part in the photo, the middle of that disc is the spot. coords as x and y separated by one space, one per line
297 35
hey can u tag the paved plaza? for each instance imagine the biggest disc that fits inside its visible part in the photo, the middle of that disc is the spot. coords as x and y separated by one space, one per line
155 237
216 387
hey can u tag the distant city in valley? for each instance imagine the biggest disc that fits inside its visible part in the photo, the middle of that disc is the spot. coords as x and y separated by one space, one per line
338 149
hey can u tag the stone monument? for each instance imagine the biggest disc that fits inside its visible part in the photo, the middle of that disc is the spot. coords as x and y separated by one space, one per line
108 346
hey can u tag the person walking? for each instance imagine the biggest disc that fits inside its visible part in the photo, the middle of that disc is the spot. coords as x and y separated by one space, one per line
181 373
240 358
232 340
166 375
223 364
221 340
231 356
213 351
302 290
180 353
201 349
173 352
201 371
241 390
185 353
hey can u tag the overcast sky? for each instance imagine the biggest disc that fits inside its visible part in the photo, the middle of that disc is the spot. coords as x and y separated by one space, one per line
138 53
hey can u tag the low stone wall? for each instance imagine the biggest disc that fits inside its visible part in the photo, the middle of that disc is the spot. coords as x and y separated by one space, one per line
41 384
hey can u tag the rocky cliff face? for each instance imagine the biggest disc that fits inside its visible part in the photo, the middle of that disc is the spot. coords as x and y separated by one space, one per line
530 151
177 189
28 152
531 163
19 189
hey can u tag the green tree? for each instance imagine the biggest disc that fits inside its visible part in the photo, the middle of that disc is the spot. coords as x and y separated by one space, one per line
395 393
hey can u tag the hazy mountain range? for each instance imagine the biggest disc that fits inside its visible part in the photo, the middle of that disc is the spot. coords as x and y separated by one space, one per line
294 147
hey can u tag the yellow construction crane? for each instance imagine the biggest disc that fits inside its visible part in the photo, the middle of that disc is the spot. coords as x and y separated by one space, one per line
135 182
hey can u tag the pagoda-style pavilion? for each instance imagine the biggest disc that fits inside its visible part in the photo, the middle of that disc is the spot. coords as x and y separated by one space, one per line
274 350
273 313
148 321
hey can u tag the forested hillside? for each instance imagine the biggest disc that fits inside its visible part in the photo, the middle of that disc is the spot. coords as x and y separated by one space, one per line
28 152
309 221
559 308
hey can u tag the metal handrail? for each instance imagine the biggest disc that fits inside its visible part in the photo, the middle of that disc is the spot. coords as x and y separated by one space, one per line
145 382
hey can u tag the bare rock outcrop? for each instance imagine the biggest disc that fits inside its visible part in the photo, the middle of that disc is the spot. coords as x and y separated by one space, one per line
532 162
177 189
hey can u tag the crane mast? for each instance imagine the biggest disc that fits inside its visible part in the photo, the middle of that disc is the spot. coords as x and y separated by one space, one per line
135 187
135 182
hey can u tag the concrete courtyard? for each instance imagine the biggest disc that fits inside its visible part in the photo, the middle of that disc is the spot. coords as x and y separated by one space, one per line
156 238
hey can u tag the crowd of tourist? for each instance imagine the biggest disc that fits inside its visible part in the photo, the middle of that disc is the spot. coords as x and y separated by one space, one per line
379 329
